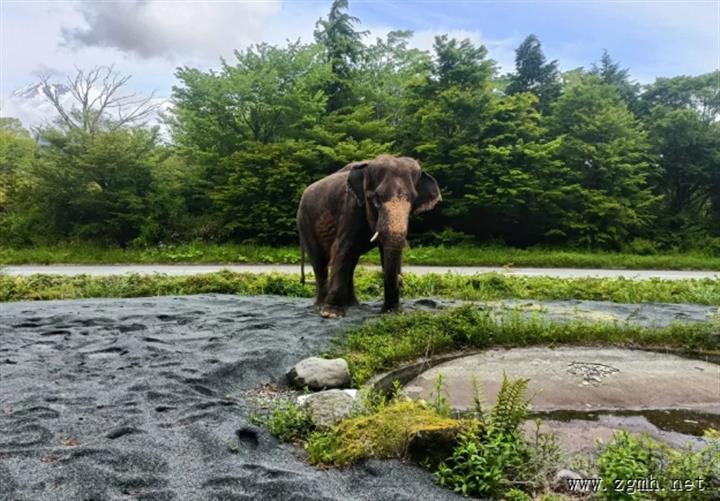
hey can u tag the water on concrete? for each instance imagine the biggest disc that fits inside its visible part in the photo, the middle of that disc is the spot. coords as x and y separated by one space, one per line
586 393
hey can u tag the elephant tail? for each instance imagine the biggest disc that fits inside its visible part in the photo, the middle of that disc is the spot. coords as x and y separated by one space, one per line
302 265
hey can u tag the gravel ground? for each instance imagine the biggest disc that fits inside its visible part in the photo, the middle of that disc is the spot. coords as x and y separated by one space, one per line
149 398
145 398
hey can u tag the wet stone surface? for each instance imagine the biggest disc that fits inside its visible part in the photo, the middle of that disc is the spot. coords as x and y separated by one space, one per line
584 394
584 378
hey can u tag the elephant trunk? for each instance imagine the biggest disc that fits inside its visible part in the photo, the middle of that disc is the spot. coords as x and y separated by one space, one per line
392 227
392 262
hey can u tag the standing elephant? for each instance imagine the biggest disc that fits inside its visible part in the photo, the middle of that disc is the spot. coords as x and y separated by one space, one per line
345 214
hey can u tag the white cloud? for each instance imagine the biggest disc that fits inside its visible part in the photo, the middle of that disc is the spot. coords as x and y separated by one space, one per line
170 29
501 50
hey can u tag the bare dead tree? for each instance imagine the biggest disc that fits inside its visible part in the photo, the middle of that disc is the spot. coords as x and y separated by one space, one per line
98 101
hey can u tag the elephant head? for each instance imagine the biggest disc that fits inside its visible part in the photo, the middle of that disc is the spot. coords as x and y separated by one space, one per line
390 189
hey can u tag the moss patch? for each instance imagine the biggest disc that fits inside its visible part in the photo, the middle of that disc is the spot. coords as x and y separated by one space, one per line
385 434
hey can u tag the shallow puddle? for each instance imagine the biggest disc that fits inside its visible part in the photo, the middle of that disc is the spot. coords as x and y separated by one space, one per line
686 422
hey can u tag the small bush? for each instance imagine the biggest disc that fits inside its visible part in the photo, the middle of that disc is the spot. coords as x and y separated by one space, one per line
484 463
288 422
517 495
629 458
711 246
448 237
642 247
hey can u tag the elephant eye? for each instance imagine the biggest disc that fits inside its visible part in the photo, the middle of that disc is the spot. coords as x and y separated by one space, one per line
376 201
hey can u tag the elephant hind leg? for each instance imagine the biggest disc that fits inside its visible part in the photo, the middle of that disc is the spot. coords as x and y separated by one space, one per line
320 268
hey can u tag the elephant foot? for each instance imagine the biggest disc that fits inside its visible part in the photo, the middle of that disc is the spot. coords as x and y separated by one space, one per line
391 308
328 311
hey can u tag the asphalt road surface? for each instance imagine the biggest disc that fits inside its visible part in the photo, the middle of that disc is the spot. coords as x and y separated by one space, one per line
190 269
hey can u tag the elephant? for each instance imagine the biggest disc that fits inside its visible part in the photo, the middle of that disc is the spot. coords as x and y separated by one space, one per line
344 215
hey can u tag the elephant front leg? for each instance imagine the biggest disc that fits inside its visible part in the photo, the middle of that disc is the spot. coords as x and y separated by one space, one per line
341 293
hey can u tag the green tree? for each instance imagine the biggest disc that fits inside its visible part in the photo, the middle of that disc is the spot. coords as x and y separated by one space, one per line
259 199
611 73
534 74
18 153
343 49
518 194
387 72
683 117
269 95
446 116
91 187
608 156
258 131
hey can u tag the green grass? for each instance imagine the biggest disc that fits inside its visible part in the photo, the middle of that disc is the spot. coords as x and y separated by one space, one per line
388 342
488 286
447 256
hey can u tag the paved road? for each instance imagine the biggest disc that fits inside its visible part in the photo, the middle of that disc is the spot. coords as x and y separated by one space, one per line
183 269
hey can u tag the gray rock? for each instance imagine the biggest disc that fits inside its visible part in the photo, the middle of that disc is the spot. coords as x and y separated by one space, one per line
320 373
562 479
329 407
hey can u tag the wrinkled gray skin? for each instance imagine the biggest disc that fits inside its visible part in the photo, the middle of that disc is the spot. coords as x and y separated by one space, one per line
339 214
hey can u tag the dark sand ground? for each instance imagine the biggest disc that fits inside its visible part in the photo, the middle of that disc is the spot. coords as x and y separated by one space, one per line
144 399
140 399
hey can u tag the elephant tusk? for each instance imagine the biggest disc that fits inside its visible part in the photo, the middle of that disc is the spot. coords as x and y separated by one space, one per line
374 237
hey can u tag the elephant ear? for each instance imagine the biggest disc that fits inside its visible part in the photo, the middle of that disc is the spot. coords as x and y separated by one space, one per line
356 182
428 194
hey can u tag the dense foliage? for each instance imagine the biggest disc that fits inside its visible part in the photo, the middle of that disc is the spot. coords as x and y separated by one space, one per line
586 158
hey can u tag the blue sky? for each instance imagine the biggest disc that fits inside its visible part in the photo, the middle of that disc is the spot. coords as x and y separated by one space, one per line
149 39
653 38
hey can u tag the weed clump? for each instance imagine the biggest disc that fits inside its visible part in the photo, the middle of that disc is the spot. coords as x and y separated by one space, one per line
637 466
287 421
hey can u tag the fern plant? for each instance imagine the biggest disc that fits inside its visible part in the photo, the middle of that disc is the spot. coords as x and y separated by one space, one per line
511 407
491 455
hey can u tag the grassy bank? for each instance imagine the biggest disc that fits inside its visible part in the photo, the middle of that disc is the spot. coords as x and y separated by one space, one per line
466 256
368 284
388 342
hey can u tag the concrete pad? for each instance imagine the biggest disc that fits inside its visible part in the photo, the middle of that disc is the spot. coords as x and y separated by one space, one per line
579 378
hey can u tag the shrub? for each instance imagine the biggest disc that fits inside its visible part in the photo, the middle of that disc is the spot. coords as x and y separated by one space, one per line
711 246
287 421
517 495
642 247
629 457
